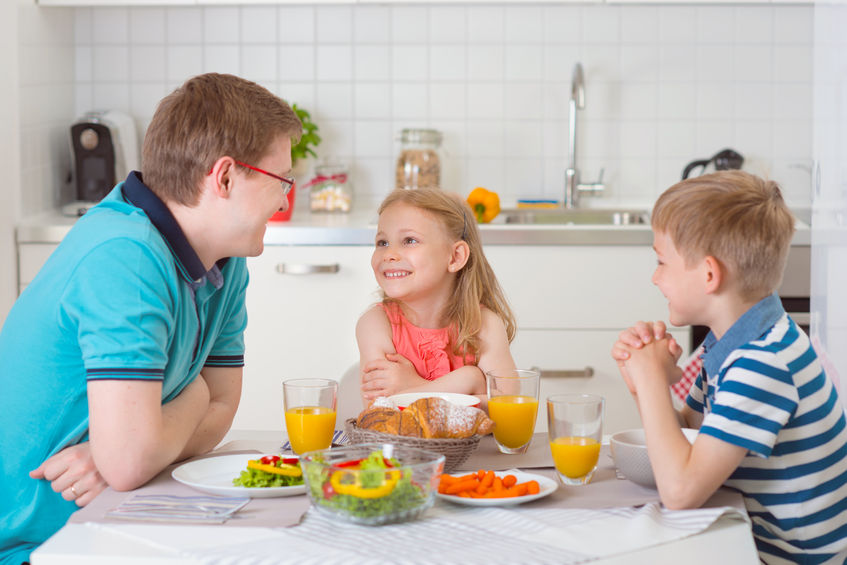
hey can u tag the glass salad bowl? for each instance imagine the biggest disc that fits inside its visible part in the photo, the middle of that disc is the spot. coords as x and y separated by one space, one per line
372 483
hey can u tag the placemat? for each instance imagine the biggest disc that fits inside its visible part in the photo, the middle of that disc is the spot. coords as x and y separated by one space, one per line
259 512
488 456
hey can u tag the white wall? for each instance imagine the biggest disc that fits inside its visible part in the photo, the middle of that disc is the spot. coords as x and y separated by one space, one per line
36 108
829 220
665 83
9 147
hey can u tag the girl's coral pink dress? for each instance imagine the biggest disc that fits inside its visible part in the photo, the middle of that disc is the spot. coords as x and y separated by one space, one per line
429 350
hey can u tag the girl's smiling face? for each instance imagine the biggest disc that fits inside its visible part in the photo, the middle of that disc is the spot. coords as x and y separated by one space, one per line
412 254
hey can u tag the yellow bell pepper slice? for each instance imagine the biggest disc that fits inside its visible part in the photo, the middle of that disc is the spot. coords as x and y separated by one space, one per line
283 469
356 489
485 204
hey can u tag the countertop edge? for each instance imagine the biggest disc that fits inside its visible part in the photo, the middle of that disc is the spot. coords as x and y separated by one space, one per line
359 229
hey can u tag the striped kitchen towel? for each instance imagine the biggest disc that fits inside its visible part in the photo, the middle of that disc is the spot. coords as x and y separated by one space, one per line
339 437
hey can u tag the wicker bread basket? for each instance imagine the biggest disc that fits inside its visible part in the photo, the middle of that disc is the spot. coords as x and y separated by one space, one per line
455 450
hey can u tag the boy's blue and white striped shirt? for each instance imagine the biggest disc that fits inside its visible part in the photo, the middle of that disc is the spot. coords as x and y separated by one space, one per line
762 387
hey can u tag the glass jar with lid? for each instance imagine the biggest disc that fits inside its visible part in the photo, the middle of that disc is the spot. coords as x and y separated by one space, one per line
331 189
419 162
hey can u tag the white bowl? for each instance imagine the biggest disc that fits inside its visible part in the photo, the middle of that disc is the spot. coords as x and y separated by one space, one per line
629 450
406 398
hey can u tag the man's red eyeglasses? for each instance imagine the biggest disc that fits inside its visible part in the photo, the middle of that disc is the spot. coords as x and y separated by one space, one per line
287 183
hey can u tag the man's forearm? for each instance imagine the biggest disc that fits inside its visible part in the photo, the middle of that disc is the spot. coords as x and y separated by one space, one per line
224 384
211 430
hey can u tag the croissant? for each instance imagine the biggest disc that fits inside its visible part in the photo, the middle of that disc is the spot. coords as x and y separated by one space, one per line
439 418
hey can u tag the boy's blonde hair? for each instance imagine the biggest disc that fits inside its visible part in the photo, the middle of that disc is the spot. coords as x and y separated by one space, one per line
736 217
208 117
475 282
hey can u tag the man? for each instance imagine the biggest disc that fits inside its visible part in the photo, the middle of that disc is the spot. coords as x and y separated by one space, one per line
125 354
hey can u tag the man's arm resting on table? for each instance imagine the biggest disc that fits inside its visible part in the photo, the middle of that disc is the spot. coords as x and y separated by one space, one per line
133 435
224 385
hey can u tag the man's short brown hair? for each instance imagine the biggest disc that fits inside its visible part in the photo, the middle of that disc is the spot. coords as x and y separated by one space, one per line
210 116
736 217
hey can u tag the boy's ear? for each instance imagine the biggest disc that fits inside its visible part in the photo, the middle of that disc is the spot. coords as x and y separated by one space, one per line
459 256
714 272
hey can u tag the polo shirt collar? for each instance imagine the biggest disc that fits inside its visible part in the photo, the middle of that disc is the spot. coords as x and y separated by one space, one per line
189 264
749 327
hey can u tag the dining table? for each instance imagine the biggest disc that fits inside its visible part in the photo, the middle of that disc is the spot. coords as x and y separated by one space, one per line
608 521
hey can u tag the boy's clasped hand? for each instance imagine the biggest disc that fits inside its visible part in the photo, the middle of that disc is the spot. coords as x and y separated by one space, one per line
646 345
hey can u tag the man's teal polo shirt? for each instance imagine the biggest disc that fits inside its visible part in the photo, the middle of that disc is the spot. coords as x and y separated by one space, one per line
124 296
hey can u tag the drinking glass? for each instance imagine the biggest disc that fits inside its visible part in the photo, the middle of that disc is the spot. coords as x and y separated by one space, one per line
575 431
513 405
310 413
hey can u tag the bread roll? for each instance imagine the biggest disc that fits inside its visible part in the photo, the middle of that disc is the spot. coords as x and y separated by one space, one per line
380 419
428 418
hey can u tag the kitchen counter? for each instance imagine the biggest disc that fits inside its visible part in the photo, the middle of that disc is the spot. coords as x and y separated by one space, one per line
358 228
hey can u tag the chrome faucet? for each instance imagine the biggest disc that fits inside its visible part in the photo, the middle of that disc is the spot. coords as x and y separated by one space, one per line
577 102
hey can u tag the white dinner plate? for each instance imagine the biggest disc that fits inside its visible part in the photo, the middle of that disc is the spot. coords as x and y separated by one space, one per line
546 486
214 475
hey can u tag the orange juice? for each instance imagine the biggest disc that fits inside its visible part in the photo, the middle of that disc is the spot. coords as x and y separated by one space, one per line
575 457
514 417
309 427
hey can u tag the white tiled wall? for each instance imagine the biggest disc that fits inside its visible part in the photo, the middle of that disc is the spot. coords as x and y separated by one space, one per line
665 84
45 104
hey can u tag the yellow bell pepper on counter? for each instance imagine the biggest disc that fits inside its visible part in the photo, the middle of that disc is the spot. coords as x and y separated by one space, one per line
485 204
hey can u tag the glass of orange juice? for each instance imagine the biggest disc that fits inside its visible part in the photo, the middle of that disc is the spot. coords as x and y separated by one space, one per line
310 413
513 405
575 431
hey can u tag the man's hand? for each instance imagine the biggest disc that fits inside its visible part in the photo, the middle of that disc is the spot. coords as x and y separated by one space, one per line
72 472
384 377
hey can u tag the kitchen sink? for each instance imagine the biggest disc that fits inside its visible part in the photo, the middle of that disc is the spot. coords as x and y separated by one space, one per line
573 216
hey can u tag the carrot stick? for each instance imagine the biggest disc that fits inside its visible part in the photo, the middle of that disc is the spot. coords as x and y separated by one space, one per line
532 487
509 481
462 486
485 483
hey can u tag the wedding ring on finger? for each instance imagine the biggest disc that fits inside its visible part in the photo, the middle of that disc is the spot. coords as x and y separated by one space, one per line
74 492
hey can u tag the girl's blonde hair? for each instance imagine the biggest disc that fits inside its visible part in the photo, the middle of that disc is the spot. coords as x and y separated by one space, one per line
475 282
734 216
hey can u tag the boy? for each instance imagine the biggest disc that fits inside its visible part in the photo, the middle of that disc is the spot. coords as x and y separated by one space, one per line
125 353
771 423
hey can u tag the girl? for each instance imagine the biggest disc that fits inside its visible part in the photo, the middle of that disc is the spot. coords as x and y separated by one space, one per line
443 320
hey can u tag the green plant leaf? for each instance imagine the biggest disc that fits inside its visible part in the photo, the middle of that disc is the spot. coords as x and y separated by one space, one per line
309 140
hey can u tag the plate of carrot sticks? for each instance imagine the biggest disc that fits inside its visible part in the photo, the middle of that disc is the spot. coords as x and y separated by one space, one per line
494 488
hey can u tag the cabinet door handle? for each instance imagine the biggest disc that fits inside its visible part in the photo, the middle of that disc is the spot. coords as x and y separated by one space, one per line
566 373
306 269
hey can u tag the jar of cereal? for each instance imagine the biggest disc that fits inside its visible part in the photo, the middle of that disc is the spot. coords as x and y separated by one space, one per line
330 190
419 163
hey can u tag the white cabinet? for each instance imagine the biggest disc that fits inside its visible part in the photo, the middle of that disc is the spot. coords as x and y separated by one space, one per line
302 305
570 303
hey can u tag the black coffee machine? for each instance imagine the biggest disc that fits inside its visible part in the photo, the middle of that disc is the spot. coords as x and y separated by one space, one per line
722 161
104 150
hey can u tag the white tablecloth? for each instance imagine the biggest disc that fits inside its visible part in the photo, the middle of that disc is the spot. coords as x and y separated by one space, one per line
446 534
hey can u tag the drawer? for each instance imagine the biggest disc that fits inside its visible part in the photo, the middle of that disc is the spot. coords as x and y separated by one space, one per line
571 352
593 287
